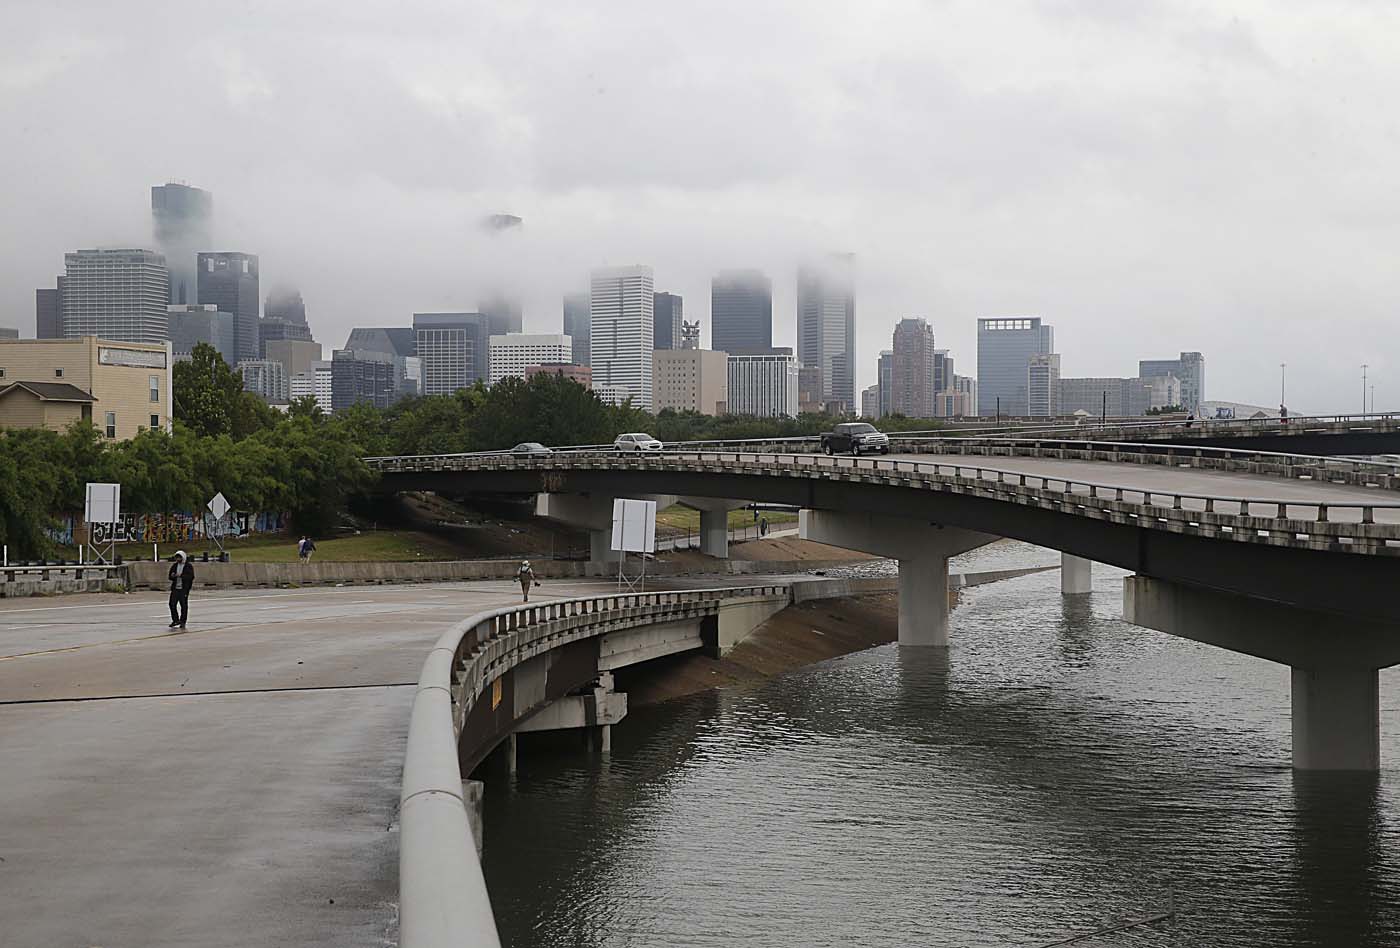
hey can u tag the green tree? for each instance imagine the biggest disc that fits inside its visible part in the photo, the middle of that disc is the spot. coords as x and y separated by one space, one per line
207 392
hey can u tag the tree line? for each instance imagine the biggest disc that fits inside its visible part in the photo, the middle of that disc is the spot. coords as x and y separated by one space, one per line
307 464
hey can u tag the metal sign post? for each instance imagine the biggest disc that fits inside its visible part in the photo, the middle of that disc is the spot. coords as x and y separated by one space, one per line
634 531
217 506
102 508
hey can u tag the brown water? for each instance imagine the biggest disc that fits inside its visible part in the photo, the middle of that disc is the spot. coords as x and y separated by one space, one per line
1054 771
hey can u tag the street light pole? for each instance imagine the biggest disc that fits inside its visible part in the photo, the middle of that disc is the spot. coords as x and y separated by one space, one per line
1282 384
1363 388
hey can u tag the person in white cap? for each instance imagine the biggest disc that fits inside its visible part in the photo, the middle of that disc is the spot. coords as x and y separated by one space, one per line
181 579
527 578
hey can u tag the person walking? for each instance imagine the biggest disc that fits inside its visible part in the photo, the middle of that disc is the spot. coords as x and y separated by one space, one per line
181 579
527 579
308 546
301 549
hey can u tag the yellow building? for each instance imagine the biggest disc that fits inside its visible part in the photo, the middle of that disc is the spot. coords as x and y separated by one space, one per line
122 387
690 380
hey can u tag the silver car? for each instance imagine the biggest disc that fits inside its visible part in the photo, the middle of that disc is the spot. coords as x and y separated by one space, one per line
637 441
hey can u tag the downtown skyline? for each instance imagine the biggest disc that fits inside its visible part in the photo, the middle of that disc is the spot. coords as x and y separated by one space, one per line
1213 183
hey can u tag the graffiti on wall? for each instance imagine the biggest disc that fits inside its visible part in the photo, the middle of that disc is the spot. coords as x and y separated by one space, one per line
181 527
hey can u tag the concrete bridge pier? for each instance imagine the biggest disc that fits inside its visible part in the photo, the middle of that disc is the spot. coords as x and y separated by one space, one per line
591 512
1335 661
922 549
714 522
1076 575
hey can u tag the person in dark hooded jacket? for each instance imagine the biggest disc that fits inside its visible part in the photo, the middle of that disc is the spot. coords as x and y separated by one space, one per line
181 579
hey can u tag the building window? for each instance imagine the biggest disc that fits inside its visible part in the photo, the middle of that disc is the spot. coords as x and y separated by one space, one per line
2 373
112 424
58 373
155 422
155 388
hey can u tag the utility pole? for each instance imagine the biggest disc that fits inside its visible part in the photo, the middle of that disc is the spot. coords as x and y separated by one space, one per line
1103 412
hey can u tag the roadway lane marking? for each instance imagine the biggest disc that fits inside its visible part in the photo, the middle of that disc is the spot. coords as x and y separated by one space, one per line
205 694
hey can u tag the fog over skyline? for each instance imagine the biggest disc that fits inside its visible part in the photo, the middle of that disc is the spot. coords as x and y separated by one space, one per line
1149 177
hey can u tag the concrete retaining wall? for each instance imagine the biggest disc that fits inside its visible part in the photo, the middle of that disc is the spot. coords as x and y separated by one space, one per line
215 575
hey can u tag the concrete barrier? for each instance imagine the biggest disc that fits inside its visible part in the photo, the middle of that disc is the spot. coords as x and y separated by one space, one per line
219 575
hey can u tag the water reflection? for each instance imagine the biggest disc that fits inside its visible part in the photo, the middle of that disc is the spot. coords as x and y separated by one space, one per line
1054 770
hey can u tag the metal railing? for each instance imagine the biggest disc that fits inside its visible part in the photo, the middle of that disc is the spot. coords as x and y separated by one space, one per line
442 893
1326 523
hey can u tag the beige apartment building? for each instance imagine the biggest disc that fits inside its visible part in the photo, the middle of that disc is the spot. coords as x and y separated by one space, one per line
690 380
122 387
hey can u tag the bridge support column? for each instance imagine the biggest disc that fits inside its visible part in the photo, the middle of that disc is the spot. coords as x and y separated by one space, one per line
591 512
923 601
1076 575
1335 661
1336 719
714 533
922 549
510 748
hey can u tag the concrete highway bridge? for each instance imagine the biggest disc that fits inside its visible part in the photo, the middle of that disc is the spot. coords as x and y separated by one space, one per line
1288 558
1295 561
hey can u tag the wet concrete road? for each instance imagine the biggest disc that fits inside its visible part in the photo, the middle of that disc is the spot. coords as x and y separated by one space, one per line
234 784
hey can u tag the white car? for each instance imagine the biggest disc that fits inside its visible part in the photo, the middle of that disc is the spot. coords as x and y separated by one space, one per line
638 441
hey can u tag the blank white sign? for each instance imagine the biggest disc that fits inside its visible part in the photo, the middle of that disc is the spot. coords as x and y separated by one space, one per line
104 503
634 525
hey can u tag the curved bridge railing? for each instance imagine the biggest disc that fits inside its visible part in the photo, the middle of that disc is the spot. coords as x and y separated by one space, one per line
1361 526
442 893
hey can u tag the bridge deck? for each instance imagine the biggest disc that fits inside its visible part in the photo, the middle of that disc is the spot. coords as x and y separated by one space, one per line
249 799
1169 480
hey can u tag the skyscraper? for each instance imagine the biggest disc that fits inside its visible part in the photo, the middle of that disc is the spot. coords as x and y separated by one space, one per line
621 318
362 375
285 302
741 311
666 321
1004 350
826 325
503 313
576 326
913 369
452 349
1189 367
884 380
116 294
182 216
1043 385
764 384
400 344
230 282
48 312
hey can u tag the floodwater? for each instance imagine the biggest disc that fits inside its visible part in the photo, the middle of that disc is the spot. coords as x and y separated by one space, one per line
1057 770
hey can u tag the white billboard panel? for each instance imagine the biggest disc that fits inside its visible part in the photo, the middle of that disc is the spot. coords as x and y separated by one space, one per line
634 525
104 503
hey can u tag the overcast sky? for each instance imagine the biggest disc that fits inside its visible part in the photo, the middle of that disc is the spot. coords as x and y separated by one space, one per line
1149 177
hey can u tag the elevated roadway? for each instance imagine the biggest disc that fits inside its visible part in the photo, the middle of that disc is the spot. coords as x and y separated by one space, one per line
1289 566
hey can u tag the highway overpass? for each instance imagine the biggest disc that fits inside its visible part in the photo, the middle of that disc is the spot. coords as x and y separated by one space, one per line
1297 566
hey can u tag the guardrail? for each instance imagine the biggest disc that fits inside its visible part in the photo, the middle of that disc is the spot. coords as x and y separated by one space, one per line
1370 473
13 571
1348 526
442 892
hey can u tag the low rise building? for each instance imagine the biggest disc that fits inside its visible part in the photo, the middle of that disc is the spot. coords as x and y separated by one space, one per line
690 380
122 387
